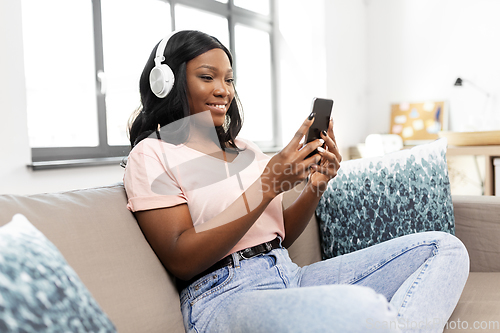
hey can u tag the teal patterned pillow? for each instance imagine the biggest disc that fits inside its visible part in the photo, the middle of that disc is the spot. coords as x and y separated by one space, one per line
39 292
376 199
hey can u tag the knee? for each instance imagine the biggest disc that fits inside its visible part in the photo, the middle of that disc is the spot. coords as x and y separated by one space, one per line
449 247
460 252
453 244
369 309
452 247
446 241
347 308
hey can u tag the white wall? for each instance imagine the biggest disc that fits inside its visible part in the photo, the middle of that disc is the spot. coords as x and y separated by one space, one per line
346 68
323 53
417 48
15 177
13 128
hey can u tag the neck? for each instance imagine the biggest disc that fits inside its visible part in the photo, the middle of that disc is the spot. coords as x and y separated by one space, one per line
203 137
202 130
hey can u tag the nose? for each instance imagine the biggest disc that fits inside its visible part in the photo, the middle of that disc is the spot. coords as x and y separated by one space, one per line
221 88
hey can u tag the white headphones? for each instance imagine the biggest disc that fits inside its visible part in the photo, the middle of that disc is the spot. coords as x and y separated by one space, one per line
161 77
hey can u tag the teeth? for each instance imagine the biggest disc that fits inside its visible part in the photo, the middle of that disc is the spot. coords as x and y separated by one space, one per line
219 106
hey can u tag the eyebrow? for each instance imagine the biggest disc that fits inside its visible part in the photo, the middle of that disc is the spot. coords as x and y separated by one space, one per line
230 70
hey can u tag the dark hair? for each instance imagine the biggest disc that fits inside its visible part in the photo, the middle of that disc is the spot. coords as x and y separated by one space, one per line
181 48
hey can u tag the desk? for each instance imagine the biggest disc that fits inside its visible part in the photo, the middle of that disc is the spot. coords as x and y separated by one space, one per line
489 152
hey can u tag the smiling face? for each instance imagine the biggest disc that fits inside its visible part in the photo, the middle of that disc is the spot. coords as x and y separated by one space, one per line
209 79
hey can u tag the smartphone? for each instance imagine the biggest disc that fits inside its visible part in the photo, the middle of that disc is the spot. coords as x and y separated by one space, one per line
322 107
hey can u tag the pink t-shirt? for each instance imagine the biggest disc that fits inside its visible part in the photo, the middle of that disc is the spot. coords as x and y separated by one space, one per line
160 174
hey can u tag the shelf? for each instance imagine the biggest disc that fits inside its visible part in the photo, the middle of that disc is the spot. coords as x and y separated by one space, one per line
481 138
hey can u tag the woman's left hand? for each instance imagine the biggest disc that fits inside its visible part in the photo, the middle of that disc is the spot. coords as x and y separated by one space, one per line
330 162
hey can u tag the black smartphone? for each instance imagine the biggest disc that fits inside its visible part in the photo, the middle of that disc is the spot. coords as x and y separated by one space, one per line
322 107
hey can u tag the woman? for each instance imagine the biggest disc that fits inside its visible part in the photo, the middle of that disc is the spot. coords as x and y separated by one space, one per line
209 203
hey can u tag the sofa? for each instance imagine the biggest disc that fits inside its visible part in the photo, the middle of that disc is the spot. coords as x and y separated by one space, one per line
100 239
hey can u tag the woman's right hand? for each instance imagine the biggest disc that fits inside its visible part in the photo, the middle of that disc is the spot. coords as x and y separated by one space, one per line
289 167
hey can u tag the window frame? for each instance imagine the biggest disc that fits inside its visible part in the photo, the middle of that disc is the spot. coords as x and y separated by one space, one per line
103 153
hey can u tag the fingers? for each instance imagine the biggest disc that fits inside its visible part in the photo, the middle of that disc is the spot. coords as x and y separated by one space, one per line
330 130
295 142
303 165
313 160
330 141
331 134
328 158
329 165
329 171
308 149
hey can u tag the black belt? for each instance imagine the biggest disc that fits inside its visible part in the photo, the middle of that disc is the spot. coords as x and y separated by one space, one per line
227 261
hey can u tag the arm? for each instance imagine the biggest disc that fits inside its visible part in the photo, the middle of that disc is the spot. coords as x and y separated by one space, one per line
298 214
186 251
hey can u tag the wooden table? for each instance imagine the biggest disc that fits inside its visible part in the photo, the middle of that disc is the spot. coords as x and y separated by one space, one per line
489 152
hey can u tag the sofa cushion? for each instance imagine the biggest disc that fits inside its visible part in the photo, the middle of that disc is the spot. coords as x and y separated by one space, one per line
478 227
376 199
39 291
478 307
306 249
103 243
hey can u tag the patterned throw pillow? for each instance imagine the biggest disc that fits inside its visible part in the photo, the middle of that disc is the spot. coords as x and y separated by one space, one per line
376 199
39 292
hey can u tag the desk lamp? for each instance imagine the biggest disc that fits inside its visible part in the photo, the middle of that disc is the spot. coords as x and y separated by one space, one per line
459 83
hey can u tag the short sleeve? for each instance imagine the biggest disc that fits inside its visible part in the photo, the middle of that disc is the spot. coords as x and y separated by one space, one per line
148 184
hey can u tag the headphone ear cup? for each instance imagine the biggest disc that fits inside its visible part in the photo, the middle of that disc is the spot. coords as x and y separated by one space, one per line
161 80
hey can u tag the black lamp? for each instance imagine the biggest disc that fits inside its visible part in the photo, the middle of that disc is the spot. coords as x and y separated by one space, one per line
459 83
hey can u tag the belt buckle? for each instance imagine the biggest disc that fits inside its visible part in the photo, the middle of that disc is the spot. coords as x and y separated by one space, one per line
243 256
267 245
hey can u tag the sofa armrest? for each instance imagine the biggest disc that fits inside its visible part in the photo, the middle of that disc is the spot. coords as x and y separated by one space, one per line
477 225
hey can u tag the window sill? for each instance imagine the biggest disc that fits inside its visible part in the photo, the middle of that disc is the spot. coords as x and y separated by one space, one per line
271 150
88 162
76 163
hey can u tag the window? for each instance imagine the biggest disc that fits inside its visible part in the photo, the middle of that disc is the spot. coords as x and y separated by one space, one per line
259 99
60 67
82 69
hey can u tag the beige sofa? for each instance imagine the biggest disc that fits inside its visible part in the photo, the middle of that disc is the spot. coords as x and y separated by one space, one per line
101 240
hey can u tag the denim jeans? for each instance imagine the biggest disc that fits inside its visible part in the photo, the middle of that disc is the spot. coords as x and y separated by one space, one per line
408 284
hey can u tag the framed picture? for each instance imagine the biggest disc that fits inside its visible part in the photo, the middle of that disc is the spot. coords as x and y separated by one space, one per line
418 122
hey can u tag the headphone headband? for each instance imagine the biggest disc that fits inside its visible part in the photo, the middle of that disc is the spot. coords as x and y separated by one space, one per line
159 58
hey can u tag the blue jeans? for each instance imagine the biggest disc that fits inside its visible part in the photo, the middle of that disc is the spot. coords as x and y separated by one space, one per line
408 284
